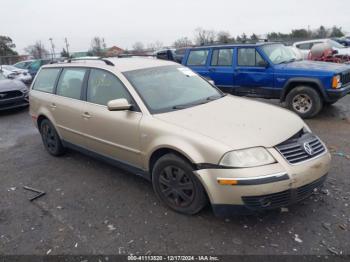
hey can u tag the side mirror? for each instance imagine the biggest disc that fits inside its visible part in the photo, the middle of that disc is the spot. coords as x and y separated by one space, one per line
263 63
118 105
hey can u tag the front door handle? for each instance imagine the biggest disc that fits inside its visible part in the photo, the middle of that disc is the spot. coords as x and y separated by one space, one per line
53 106
86 115
212 69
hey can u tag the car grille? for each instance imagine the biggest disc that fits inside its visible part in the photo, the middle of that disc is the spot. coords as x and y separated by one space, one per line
284 198
345 78
301 148
10 94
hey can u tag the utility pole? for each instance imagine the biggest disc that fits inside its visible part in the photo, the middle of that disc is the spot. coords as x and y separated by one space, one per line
67 45
52 47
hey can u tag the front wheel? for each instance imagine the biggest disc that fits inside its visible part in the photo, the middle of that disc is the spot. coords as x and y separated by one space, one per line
305 101
176 186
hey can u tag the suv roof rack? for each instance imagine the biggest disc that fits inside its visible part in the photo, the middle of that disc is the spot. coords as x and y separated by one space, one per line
108 62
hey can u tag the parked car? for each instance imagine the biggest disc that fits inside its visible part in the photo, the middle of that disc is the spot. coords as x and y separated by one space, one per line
173 54
164 122
305 46
13 93
270 70
343 41
12 72
32 66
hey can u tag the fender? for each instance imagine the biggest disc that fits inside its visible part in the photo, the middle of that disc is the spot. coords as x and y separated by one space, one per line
314 81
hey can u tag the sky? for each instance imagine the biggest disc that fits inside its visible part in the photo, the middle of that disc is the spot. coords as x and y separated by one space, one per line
124 22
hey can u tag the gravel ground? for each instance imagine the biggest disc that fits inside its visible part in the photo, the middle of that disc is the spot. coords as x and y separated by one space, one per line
93 208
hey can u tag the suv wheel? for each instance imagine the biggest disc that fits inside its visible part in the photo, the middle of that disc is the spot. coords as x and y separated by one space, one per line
175 185
305 101
51 140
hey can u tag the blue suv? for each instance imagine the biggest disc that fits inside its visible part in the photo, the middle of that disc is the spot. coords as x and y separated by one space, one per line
271 70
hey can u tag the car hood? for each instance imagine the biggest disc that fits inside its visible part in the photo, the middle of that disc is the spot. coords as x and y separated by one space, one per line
306 65
11 85
237 122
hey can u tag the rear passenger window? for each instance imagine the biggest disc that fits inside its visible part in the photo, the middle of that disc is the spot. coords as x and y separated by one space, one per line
306 46
104 87
222 57
197 57
46 80
248 57
71 82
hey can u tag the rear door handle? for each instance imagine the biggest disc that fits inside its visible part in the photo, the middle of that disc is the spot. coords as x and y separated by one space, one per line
86 115
212 69
53 106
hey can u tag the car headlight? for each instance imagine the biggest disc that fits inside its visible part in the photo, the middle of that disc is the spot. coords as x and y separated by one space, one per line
336 82
251 157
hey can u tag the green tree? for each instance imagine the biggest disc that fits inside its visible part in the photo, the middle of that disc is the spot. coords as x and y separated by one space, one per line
321 32
223 37
7 46
300 33
254 38
336 32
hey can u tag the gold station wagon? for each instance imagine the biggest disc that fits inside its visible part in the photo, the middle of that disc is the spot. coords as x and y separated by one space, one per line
164 122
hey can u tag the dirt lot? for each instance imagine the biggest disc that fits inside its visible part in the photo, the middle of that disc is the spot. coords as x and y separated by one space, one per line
93 208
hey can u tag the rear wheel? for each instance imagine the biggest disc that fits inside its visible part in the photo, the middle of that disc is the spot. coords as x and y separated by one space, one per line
305 101
51 140
175 185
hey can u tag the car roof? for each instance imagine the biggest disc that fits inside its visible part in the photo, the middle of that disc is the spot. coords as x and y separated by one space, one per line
311 41
234 45
120 64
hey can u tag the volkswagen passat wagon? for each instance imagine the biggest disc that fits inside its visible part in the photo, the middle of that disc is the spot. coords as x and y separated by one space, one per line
164 122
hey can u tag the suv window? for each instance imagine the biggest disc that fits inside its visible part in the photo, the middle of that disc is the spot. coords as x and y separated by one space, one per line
248 57
71 82
46 80
222 57
305 46
104 87
197 57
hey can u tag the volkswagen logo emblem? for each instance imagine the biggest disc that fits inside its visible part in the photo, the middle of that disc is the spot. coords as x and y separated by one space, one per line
308 149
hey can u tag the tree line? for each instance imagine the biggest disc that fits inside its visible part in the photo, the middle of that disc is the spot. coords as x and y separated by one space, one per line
200 36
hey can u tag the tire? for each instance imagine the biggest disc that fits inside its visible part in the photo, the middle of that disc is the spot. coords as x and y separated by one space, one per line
50 138
305 101
176 186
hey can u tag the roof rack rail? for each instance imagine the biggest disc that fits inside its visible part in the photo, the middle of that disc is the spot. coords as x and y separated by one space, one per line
108 62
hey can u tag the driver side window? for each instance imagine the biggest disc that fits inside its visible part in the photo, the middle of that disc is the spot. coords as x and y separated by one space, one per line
249 57
104 87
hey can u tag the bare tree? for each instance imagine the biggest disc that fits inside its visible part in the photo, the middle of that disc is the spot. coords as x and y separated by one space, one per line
224 37
182 42
203 36
98 46
155 46
138 47
38 50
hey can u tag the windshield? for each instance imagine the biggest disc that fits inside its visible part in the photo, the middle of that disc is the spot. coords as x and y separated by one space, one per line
335 44
169 88
279 53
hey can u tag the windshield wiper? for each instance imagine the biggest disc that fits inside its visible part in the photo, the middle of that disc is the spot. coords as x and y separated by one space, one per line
207 100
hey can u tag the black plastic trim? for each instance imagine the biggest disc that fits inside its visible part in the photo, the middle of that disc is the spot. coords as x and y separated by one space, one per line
112 161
